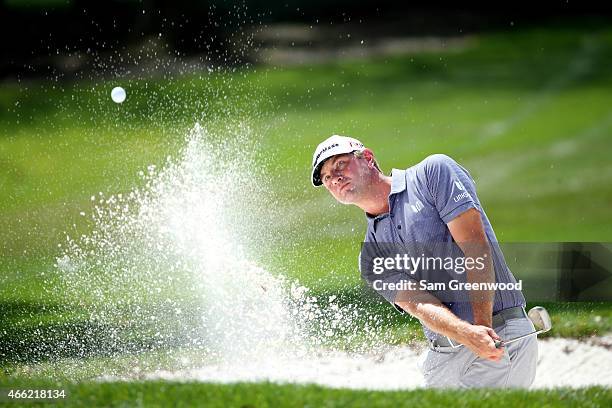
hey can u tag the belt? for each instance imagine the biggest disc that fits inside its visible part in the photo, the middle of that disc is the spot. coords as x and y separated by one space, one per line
499 319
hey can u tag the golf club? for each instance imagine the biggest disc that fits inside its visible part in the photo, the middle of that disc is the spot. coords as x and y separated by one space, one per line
541 321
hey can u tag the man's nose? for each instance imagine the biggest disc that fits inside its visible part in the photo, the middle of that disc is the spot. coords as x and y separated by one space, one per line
337 179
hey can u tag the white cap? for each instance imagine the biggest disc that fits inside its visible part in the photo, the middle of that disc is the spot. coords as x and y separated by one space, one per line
332 146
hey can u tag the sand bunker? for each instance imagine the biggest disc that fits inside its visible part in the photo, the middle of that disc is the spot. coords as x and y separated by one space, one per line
561 363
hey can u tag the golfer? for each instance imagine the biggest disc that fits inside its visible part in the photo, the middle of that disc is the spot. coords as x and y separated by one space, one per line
435 201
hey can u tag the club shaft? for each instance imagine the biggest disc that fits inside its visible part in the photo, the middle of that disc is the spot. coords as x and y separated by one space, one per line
498 343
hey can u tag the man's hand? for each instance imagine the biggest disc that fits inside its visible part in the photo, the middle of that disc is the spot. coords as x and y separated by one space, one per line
481 340
433 314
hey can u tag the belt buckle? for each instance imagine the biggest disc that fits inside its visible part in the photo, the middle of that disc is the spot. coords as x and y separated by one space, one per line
433 345
450 345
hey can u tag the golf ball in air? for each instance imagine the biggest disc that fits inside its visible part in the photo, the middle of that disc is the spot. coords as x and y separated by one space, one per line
118 94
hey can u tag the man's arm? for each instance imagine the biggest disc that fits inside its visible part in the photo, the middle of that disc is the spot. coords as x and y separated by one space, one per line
468 232
452 194
429 310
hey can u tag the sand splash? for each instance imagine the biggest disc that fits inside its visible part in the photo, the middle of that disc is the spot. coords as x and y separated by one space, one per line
168 265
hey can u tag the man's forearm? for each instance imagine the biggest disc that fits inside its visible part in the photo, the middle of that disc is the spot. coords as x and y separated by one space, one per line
468 232
481 300
437 317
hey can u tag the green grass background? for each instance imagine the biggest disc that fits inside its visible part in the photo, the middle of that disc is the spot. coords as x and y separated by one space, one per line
528 111
158 394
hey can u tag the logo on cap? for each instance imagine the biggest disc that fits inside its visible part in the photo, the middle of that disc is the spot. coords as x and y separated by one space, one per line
323 150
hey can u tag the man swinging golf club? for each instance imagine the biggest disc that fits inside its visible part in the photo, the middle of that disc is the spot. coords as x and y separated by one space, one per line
435 201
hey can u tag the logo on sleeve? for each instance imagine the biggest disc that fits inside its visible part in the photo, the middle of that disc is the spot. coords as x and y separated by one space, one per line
463 195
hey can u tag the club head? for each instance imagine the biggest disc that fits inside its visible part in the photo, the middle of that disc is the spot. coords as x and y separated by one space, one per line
540 318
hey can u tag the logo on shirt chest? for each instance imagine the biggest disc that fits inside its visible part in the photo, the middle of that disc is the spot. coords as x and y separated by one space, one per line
416 207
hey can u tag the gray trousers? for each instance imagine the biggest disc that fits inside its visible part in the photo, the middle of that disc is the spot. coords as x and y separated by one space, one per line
461 368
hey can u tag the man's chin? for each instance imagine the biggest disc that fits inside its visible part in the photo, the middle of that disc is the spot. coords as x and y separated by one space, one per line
346 198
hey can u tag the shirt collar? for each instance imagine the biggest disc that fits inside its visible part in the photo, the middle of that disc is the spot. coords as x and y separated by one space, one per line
398 184
398 181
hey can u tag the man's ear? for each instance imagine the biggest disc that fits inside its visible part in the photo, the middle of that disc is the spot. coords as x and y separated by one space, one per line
369 156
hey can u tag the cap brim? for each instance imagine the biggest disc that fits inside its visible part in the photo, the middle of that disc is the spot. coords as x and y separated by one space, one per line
316 174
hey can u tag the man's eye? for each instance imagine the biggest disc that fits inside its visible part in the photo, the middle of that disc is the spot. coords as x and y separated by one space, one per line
340 164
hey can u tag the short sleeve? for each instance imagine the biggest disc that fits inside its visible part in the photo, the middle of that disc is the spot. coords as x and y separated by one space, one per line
452 189
380 282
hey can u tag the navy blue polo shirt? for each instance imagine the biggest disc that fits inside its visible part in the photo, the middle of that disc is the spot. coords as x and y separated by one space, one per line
423 199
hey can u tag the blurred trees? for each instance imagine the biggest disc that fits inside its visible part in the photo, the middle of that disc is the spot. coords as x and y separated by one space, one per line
60 36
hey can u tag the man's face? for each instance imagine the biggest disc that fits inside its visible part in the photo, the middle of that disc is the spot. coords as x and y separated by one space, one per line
344 177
